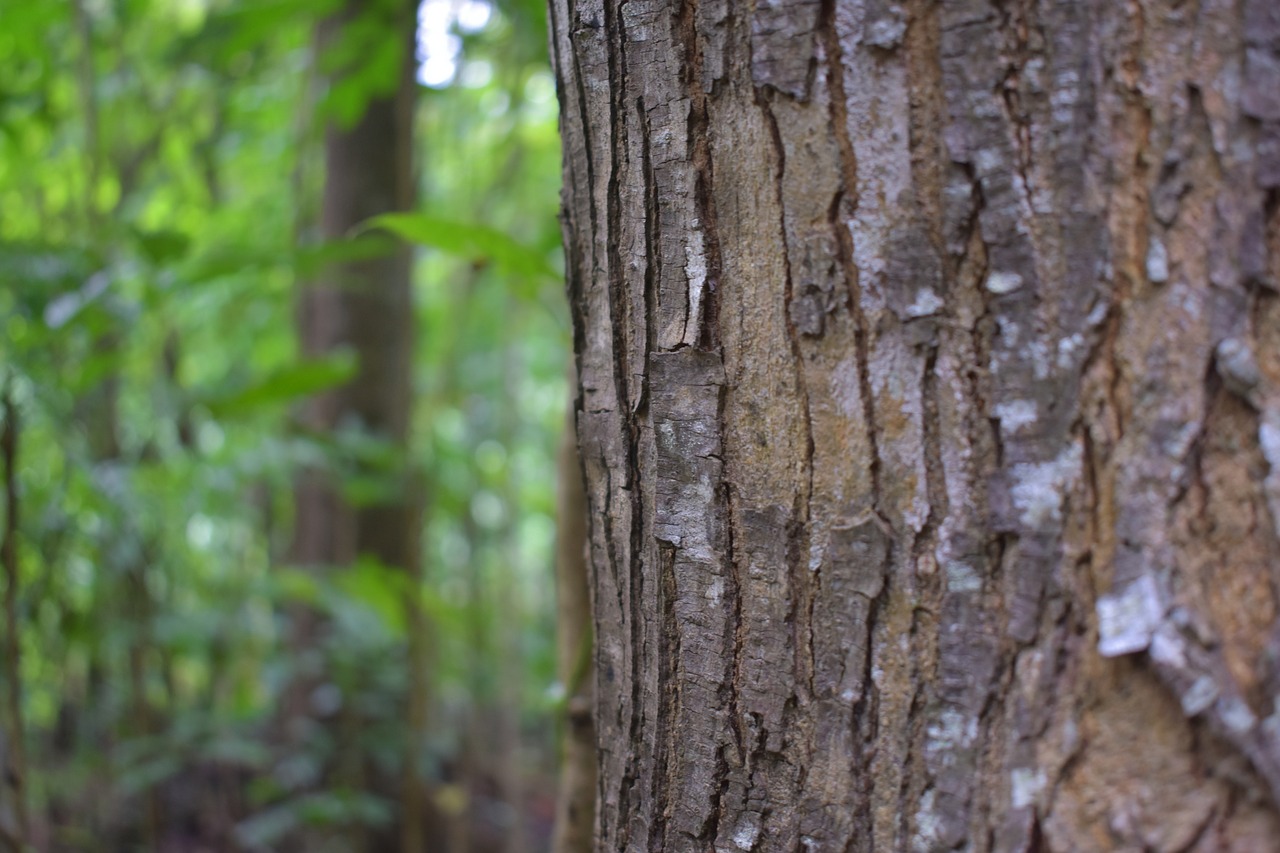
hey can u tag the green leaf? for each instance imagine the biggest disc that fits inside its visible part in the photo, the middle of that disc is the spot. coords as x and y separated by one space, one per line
296 584
287 383
380 588
478 243
327 808
310 260
164 245
305 262
237 28
237 750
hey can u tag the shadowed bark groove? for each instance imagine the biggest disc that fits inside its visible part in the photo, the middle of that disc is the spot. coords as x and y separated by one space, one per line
930 418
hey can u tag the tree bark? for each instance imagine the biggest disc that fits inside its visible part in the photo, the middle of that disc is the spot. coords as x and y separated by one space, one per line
930 416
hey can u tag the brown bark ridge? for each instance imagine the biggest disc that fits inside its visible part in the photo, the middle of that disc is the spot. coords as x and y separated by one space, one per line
366 304
930 416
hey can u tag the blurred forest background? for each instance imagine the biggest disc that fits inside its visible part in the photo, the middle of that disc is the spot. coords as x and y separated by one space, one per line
182 669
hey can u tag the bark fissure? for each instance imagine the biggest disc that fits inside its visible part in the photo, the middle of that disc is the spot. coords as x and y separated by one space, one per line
848 172
699 146
733 672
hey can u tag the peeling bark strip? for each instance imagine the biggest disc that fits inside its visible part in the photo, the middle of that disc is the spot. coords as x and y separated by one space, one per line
930 415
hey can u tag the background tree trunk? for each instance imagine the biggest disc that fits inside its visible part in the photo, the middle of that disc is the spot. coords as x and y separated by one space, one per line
14 823
930 415
366 304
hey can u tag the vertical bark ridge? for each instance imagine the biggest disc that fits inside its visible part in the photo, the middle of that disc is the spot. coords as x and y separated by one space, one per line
699 81
844 834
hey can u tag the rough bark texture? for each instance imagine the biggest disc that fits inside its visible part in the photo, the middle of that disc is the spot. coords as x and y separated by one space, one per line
930 415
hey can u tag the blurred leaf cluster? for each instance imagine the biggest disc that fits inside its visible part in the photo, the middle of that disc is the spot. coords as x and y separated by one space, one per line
160 169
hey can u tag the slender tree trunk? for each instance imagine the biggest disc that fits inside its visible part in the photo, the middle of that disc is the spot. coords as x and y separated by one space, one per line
413 793
367 305
11 832
930 416
575 803
472 758
509 766
119 582
14 819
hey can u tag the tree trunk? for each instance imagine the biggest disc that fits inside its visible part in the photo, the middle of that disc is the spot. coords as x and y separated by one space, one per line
930 415
366 304
14 822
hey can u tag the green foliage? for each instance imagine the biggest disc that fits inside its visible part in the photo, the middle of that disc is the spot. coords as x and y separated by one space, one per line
479 244
160 169
284 384
331 808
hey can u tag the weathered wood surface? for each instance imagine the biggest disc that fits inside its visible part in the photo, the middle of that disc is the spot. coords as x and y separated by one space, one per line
930 416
